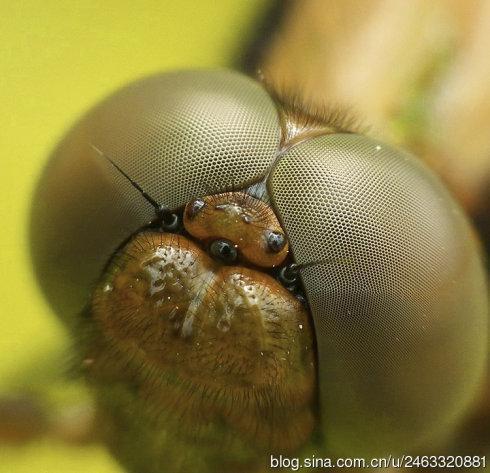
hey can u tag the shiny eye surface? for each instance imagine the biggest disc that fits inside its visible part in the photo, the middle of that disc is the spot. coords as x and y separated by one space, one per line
288 275
195 207
275 241
170 222
223 250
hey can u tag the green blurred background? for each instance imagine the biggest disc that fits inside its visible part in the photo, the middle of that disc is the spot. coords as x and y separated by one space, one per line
57 59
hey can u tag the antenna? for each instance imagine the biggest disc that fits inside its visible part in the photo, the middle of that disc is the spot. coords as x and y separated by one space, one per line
159 209
325 261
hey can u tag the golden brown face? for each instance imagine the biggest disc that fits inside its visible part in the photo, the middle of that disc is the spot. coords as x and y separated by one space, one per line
247 223
215 349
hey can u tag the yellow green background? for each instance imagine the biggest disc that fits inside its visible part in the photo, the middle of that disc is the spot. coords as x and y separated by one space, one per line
57 59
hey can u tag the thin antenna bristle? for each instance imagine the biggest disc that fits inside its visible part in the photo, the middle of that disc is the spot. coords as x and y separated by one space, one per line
325 261
150 199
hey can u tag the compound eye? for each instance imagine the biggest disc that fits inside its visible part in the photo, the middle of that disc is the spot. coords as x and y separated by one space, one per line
195 207
275 241
223 250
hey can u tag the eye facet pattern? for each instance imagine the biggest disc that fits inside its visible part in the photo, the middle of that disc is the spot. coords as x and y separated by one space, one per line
177 135
301 284
395 283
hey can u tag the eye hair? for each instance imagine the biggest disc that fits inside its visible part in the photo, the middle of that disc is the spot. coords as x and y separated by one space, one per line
302 118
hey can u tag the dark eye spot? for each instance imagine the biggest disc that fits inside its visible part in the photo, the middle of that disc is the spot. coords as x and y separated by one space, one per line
195 207
275 241
170 222
223 250
288 275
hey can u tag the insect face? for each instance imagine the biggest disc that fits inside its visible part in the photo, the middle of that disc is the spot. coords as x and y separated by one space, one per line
249 224
211 344
199 327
